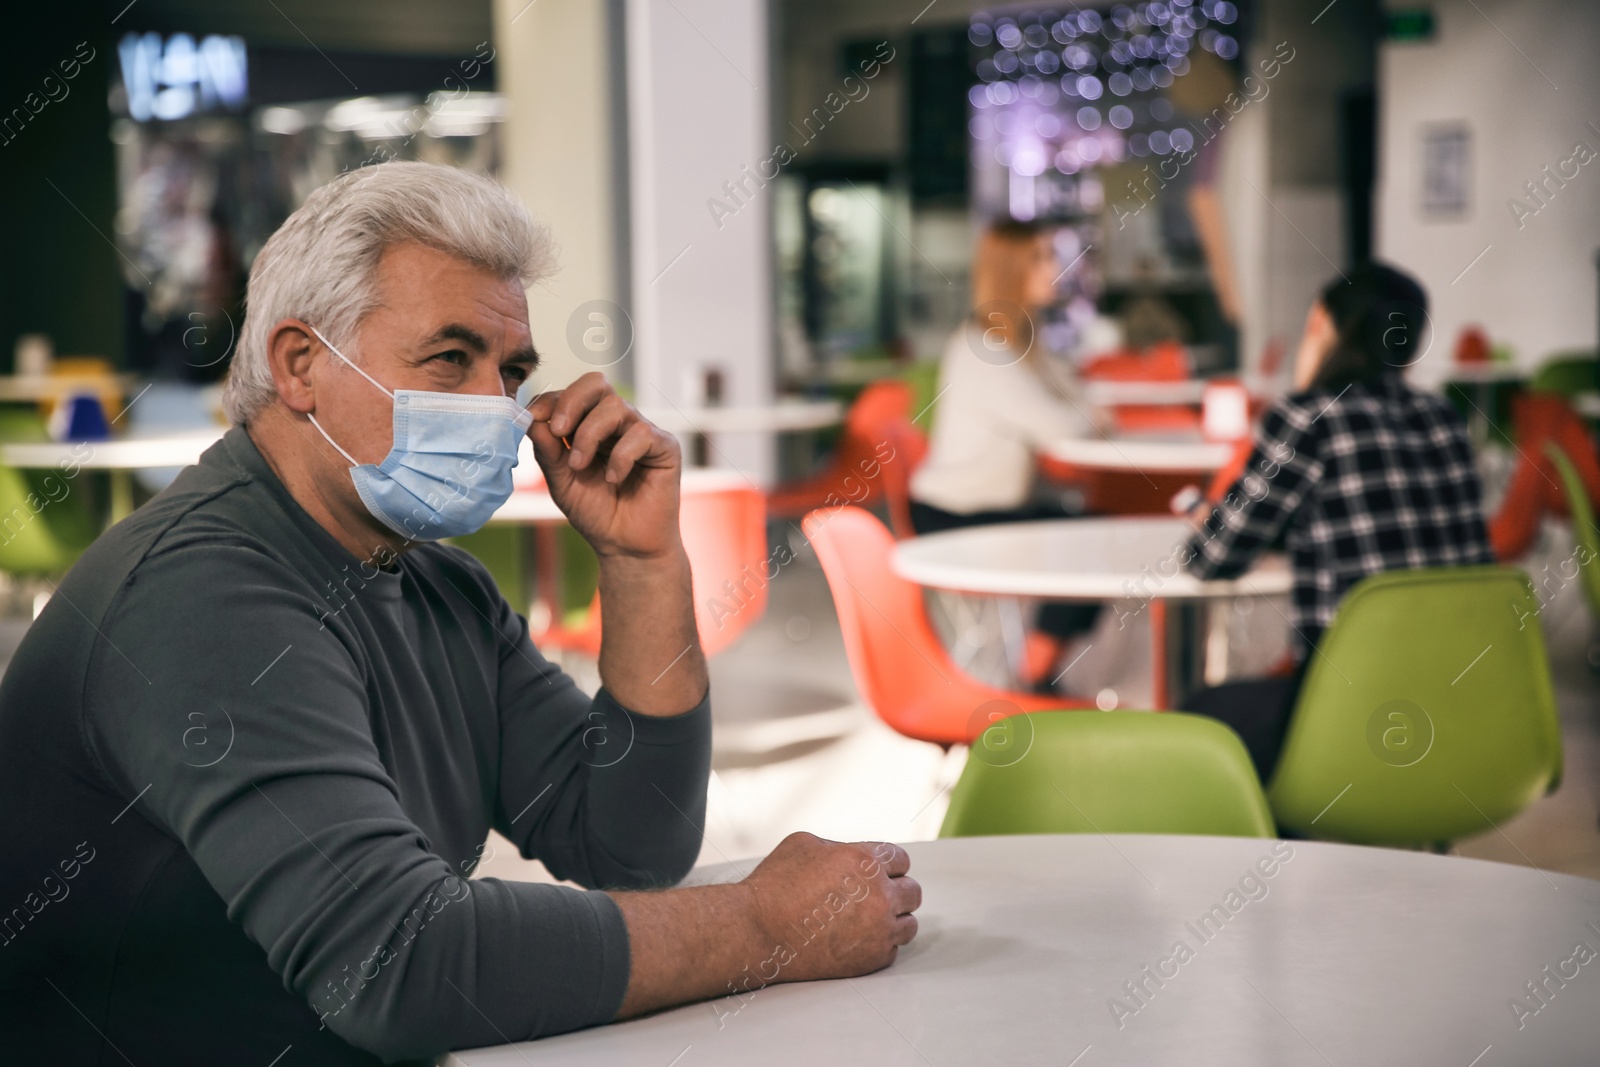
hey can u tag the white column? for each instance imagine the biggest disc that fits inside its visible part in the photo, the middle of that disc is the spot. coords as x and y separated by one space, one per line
558 63
700 156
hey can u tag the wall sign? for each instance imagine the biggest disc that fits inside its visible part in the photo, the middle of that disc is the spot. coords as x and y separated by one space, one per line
1446 170
176 76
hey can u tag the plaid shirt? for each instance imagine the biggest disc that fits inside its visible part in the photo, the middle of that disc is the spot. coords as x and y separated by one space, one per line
1373 478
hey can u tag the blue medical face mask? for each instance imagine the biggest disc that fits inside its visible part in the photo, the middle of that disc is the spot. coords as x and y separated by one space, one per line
450 467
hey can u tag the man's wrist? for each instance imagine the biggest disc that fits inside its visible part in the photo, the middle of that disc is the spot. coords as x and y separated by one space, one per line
629 564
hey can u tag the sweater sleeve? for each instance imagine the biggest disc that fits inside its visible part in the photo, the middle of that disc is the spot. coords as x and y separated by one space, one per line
235 723
1283 469
603 796
1032 409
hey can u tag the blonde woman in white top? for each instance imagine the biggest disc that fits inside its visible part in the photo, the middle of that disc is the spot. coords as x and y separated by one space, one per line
996 409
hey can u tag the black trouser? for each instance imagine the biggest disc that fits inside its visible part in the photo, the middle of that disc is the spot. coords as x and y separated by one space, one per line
1257 709
1056 619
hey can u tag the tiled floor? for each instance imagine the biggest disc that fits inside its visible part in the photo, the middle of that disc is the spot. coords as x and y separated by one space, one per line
794 750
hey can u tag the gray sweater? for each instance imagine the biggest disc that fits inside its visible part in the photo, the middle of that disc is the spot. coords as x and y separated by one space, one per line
269 766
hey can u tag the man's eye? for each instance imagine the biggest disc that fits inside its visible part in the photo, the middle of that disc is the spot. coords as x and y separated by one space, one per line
455 355
516 372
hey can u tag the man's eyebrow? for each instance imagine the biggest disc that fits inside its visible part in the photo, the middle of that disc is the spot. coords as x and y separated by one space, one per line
526 354
455 331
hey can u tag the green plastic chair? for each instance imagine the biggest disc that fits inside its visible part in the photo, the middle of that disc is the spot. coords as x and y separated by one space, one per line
44 536
1115 772
1583 527
1426 714
1567 373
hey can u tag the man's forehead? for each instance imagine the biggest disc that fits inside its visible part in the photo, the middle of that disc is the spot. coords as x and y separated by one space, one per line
444 297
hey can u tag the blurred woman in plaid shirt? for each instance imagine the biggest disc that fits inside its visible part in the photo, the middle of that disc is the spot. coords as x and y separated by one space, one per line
1352 473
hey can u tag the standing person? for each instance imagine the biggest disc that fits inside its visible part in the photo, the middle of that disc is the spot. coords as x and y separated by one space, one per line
1355 472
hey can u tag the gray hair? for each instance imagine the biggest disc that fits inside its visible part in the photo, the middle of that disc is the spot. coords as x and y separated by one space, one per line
321 264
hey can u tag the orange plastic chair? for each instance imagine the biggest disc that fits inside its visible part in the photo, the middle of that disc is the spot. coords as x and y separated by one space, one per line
1164 362
903 672
1134 493
1535 487
877 453
724 531
1231 472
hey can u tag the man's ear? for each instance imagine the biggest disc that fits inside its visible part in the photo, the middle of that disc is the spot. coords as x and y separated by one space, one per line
291 353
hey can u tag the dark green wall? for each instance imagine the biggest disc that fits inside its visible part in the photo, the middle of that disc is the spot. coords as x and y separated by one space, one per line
58 275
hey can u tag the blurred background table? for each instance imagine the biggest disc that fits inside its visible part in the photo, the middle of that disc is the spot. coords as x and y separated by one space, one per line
783 416
1161 453
1107 393
35 387
120 457
1092 559
1344 955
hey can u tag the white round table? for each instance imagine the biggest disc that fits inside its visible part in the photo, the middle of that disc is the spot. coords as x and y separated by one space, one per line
783 416
135 452
118 456
1188 391
1073 559
1159 453
1064 950
34 387
532 503
1115 558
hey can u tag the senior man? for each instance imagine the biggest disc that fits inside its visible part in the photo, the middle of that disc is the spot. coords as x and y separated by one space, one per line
254 745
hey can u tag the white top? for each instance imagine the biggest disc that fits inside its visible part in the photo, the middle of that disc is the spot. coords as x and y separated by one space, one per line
1163 453
1030 949
137 452
784 416
1074 559
993 413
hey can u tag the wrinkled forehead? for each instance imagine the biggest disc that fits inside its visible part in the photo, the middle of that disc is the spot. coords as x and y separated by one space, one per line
432 294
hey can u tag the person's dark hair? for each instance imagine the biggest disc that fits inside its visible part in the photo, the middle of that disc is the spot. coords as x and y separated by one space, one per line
1380 318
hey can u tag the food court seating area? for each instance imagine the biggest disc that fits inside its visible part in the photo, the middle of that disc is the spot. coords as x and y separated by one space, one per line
853 711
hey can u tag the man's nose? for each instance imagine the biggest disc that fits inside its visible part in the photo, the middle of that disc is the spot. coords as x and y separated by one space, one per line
485 379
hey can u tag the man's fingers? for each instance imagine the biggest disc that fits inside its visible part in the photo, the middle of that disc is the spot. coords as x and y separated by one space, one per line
907 894
547 447
891 857
575 401
541 406
904 929
637 442
600 425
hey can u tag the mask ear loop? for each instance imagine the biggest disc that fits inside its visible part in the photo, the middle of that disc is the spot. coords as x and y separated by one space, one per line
359 371
331 441
342 356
